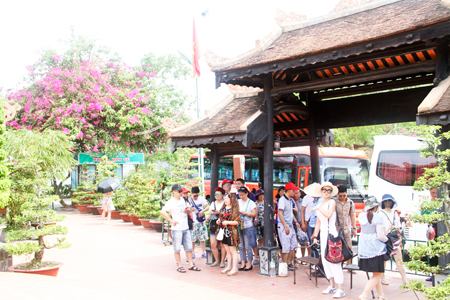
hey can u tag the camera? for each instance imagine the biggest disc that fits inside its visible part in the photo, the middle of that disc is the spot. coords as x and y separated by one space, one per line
315 247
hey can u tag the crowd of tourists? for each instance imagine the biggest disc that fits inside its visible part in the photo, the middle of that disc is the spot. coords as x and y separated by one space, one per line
309 220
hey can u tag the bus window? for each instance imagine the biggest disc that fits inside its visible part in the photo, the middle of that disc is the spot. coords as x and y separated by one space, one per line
207 168
353 172
302 178
402 167
251 169
226 169
284 169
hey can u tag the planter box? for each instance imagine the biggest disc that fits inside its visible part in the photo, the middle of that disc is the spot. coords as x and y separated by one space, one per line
83 208
94 209
156 225
47 271
6 260
146 223
115 214
100 210
135 220
125 217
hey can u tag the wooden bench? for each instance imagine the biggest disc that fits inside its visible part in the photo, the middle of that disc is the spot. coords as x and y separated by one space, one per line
354 267
311 261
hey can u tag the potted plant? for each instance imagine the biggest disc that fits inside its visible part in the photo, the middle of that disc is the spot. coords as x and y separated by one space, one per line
47 155
119 200
140 191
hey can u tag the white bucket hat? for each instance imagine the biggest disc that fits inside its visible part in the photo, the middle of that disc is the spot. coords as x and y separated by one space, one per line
310 190
329 184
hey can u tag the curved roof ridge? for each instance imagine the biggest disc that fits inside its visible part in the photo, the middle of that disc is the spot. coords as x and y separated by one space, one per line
217 63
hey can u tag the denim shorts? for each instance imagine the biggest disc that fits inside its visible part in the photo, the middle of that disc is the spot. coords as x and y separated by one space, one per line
181 237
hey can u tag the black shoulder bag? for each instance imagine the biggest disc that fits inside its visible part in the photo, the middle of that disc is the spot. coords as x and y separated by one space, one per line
190 220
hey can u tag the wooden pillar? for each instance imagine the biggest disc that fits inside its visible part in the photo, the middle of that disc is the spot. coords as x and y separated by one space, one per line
441 61
261 169
313 148
214 171
268 167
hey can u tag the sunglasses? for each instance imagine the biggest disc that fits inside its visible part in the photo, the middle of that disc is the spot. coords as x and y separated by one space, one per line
327 191
217 194
342 196
195 196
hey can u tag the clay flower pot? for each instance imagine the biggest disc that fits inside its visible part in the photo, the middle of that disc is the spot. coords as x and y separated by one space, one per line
146 223
74 205
125 217
93 209
135 220
157 225
83 208
100 210
49 223
52 271
115 214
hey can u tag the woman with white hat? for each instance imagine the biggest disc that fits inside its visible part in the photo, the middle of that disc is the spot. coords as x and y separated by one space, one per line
372 247
326 224
391 221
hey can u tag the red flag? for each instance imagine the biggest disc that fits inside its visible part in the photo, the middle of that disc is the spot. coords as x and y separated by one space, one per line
195 54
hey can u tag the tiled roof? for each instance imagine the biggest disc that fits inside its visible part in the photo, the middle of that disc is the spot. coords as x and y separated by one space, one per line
228 117
362 25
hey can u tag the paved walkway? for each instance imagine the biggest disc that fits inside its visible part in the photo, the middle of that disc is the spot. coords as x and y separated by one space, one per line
123 261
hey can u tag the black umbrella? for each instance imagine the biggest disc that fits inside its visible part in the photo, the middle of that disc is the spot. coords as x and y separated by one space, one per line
108 185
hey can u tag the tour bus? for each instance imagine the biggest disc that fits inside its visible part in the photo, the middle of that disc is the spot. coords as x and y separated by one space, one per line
396 165
337 165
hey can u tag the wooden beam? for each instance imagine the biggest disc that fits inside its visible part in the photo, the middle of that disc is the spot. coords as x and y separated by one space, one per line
420 36
419 67
214 170
375 87
441 61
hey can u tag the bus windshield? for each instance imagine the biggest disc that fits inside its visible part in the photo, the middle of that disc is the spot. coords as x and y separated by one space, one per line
352 172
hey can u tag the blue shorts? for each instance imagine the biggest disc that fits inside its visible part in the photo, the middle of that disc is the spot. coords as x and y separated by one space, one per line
181 237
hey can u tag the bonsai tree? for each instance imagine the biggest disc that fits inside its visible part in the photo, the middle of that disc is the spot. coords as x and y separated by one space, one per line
5 182
47 156
139 196
437 177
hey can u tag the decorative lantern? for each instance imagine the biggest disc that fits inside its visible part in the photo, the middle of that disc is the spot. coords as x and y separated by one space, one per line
266 255
277 143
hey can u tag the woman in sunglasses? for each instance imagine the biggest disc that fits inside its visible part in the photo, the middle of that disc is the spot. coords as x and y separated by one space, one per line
215 208
326 224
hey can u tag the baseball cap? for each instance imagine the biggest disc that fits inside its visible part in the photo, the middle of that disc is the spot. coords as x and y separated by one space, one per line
291 186
176 187
185 190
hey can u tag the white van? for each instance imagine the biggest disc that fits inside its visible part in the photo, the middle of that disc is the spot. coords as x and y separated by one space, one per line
396 165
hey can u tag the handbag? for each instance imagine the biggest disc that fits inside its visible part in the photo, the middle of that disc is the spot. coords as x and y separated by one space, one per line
190 221
337 250
219 236
199 219
394 239
213 221
283 269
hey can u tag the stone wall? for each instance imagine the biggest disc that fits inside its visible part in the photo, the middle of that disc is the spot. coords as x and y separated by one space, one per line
6 260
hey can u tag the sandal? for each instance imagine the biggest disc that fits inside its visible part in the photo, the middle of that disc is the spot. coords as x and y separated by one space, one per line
181 270
194 268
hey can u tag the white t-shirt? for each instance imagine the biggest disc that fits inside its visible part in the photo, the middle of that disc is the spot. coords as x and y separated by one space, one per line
308 204
215 206
387 221
176 209
201 203
248 206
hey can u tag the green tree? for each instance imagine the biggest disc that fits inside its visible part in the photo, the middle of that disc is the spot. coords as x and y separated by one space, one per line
46 156
5 181
437 177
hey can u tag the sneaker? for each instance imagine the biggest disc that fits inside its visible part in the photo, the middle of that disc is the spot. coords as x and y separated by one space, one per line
204 255
384 281
329 290
256 262
429 279
339 294
193 256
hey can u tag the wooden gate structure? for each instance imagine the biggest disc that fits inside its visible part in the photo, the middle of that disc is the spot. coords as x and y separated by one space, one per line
363 65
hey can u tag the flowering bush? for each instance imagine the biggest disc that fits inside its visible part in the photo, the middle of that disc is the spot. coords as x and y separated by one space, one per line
103 105
5 182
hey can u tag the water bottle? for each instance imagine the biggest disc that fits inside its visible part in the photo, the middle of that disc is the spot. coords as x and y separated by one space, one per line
272 268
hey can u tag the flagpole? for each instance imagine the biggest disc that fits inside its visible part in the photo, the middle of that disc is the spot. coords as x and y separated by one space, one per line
200 150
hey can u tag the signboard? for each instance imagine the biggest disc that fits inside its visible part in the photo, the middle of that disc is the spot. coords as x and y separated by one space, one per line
122 158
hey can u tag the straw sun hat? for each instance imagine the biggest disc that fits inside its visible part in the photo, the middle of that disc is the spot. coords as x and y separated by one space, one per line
327 184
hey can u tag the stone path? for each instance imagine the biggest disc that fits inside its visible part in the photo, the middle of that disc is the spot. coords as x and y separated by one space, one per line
123 261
